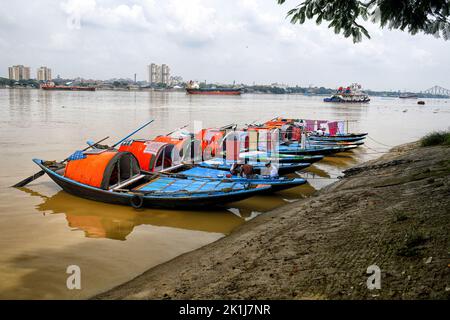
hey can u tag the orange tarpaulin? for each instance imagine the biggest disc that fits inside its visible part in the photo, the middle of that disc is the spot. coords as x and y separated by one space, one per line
141 150
89 170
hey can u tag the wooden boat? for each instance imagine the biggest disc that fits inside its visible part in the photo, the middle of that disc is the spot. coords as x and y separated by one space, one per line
289 124
279 157
115 177
157 156
341 135
277 184
224 164
335 138
333 143
295 149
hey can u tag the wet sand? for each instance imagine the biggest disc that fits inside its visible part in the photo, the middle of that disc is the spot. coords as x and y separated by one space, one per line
391 212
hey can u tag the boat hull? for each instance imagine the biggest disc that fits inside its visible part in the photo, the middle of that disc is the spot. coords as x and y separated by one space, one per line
335 138
62 88
334 143
281 158
230 92
315 150
341 100
341 135
181 202
276 184
283 168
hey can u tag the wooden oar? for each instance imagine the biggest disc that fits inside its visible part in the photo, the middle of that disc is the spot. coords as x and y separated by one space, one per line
131 134
229 126
42 172
168 134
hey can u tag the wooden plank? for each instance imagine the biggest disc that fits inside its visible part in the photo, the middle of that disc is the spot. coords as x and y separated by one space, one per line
127 182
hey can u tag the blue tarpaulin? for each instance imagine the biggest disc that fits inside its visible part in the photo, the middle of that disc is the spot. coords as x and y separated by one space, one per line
77 155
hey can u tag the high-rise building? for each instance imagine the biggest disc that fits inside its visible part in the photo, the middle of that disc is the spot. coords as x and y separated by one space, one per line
44 74
19 72
158 74
165 74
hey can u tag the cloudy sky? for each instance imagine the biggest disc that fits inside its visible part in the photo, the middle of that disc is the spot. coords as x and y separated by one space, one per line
216 40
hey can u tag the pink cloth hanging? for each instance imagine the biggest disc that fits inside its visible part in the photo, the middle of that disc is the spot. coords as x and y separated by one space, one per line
333 127
310 125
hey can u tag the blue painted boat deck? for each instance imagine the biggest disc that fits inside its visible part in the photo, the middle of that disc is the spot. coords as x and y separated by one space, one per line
168 184
205 172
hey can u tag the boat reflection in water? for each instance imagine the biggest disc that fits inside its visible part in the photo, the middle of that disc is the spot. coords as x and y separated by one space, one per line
99 220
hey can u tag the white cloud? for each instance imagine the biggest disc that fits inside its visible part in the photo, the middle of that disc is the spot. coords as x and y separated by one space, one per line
118 16
242 40
191 22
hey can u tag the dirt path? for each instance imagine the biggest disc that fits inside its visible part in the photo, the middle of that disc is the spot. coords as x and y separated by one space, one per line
393 212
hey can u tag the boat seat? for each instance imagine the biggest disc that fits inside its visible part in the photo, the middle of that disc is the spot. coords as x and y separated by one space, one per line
127 182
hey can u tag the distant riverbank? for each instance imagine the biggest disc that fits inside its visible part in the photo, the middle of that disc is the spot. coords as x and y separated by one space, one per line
391 212
320 92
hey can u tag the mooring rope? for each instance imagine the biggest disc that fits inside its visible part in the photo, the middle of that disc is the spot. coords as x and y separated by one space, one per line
380 143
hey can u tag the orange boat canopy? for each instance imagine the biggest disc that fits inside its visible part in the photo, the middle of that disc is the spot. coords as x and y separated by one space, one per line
152 155
102 168
211 140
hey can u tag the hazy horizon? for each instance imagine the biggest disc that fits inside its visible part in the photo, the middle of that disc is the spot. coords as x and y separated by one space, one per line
245 41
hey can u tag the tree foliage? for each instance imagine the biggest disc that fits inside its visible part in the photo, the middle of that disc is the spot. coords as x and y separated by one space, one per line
345 16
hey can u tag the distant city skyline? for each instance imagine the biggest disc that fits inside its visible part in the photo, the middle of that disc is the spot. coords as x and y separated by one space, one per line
246 41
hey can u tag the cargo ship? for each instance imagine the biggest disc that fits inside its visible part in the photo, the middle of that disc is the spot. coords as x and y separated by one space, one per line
52 86
352 94
408 96
194 88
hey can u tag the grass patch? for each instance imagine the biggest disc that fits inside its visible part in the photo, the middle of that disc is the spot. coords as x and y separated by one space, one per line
413 243
399 215
436 138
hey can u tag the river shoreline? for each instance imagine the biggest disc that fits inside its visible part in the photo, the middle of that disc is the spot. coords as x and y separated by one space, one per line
391 212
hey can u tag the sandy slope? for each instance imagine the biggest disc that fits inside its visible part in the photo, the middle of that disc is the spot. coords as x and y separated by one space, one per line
393 212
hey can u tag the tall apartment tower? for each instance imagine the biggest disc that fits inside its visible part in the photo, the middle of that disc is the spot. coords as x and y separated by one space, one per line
154 71
44 74
19 72
165 74
158 73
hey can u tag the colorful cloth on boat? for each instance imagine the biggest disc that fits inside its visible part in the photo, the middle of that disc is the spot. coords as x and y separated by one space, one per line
310 125
333 127
341 127
153 146
77 155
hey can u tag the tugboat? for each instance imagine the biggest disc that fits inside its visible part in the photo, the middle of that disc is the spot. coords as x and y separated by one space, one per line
351 94
194 88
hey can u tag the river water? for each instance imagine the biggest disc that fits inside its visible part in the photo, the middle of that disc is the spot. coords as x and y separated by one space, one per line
43 230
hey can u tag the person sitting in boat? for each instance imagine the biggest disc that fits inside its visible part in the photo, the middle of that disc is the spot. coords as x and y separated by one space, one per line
271 170
247 171
320 131
236 169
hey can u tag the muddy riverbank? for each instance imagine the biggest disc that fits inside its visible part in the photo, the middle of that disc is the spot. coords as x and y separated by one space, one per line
392 212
